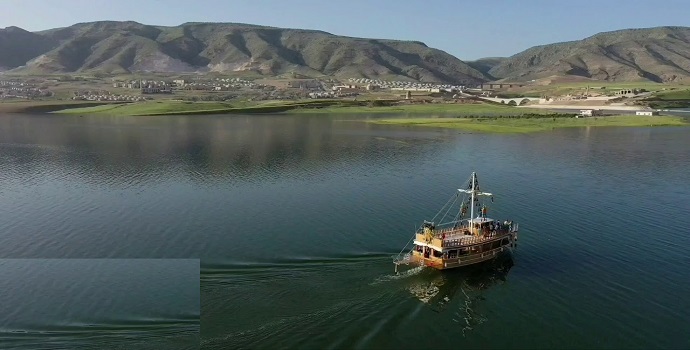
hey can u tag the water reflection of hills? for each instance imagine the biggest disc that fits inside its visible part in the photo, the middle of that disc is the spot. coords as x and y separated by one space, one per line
208 147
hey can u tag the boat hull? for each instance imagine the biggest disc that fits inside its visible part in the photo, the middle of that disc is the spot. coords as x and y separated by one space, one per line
417 258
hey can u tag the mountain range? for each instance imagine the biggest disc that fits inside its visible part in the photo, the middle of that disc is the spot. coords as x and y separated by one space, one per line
124 47
659 54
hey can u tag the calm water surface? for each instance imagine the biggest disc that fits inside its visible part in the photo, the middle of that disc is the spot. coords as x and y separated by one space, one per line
295 220
99 304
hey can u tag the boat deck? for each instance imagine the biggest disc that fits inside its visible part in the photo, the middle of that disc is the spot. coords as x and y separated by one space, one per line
458 237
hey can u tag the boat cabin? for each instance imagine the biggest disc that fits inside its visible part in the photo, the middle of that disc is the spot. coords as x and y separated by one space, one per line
484 226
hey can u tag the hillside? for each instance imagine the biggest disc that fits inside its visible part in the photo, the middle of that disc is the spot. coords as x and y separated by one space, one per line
659 54
124 47
484 65
18 46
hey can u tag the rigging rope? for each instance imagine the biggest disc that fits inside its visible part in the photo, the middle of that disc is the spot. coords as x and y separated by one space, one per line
454 199
444 206
408 242
457 195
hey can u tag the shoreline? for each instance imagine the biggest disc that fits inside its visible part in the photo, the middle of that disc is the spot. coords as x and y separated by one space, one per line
533 124
472 117
26 107
176 107
299 107
578 107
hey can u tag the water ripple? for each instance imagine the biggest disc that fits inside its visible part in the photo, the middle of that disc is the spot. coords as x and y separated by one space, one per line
181 332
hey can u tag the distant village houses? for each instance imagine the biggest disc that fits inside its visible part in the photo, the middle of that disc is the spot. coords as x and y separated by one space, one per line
304 84
105 96
15 89
146 86
345 88
375 84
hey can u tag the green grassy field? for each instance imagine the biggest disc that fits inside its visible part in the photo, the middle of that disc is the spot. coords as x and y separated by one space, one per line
439 109
169 107
149 108
594 87
525 125
24 106
679 94
677 98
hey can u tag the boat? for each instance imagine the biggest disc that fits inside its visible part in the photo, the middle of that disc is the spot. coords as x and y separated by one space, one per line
462 240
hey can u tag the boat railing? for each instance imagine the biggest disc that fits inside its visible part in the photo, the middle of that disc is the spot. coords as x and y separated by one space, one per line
461 235
470 240
457 237
512 227
462 241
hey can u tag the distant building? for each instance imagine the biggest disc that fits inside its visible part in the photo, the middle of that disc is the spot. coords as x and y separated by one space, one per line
155 90
179 82
647 113
590 112
150 90
345 88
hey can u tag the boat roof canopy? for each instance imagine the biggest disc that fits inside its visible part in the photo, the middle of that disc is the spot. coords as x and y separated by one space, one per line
480 220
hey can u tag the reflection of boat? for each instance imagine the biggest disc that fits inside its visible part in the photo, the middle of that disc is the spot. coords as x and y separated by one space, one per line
437 290
460 241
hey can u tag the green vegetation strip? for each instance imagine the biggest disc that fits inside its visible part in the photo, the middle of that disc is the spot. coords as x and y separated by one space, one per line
531 123
47 106
169 107
153 108
670 99
672 95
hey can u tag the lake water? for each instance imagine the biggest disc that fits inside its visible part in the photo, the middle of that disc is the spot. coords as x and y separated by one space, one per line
99 304
296 220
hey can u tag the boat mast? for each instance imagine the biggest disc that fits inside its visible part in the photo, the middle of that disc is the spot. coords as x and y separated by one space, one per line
472 201
474 192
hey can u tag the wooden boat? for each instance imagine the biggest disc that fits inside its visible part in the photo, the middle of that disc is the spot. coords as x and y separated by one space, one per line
460 241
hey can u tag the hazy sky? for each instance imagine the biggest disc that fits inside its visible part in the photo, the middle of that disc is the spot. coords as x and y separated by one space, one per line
466 29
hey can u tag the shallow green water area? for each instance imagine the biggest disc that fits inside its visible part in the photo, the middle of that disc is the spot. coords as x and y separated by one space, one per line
296 219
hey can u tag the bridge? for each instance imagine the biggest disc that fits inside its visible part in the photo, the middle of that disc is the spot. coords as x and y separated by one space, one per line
518 101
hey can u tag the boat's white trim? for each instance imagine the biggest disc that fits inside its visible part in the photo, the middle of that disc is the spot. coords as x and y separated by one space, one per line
428 245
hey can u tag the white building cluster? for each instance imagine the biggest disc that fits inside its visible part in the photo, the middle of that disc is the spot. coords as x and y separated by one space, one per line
218 84
15 89
407 85
104 96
